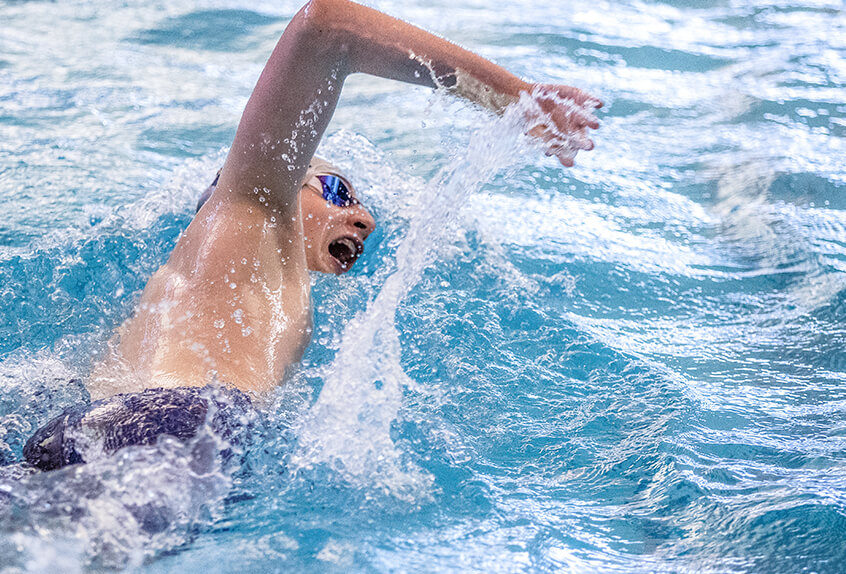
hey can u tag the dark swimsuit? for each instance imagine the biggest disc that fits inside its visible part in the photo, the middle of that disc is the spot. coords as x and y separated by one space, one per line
84 432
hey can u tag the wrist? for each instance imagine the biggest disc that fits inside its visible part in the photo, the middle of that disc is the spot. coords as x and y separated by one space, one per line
493 96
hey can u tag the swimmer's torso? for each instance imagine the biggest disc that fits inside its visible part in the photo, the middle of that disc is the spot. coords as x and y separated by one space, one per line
232 305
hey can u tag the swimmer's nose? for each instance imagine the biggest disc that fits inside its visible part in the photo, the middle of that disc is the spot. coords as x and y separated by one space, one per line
364 222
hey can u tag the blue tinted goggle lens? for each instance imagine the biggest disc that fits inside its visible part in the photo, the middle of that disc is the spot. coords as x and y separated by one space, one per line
336 191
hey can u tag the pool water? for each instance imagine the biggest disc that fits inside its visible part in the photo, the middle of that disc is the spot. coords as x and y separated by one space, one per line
634 365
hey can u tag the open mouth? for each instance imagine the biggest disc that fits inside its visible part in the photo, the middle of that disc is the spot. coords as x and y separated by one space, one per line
346 250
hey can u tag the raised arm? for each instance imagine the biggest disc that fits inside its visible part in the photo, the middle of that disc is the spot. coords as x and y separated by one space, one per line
232 303
329 39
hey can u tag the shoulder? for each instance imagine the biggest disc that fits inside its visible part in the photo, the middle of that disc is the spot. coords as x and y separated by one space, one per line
240 235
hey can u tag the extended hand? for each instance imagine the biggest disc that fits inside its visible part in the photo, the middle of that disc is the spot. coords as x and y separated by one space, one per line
560 120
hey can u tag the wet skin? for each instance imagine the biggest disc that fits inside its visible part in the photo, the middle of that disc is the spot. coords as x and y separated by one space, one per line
167 317
232 304
330 231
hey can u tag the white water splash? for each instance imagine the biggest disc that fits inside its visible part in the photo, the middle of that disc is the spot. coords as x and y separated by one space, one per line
113 512
350 426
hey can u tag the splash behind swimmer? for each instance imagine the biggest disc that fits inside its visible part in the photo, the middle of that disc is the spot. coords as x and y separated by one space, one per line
232 304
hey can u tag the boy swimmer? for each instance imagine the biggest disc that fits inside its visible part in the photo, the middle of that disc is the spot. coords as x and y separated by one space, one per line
232 304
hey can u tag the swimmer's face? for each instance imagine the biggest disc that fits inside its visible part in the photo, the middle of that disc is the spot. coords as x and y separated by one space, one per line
334 235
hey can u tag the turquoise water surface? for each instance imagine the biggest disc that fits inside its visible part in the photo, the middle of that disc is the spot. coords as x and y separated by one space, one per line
635 365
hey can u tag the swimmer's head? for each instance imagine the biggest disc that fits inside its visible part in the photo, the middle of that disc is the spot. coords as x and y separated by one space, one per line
335 223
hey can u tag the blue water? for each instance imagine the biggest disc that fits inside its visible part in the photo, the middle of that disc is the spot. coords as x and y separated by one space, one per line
635 365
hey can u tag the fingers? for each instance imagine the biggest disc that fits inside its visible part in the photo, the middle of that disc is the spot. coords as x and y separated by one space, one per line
580 140
570 108
562 144
592 102
582 98
565 153
588 118
569 117
583 141
562 122
567 161
540 131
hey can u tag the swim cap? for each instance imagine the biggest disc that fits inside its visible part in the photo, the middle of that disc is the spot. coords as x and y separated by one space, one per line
318 165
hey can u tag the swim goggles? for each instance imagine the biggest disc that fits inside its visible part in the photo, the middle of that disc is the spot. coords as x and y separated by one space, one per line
336 190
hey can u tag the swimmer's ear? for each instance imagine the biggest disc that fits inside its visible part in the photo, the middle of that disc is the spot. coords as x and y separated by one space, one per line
209 190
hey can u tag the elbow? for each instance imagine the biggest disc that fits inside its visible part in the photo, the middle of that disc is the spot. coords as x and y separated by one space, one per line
321 23
320 15
321 26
